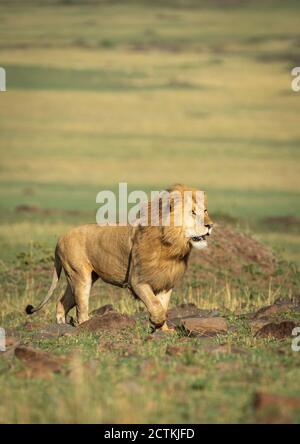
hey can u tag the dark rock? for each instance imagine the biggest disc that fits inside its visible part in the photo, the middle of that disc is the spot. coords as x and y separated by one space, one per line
271 310
275 330
186 310
112 320
275 409
39 363
176 314
205 326
54 331
34 325
102 310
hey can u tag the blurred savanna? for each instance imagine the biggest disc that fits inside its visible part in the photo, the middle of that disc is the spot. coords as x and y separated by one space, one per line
151 94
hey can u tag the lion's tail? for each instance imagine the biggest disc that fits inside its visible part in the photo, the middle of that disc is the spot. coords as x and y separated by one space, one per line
56 275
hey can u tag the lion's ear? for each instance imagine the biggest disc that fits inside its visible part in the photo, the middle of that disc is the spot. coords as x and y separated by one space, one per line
176 187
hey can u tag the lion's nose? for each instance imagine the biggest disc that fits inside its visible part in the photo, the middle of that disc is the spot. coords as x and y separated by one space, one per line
209 227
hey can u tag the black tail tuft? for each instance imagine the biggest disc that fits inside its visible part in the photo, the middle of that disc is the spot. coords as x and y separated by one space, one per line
29 309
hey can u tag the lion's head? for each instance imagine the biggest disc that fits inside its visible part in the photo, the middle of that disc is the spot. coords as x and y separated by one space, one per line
192 211
182 214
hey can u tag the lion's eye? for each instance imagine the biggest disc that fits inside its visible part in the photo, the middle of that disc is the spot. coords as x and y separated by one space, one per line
193 212
205 211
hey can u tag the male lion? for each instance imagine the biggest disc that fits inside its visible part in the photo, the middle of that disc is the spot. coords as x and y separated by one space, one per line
149 260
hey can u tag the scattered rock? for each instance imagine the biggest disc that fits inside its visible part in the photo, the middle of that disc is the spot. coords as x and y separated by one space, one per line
11 342
205 326
184 310
34 325
275 409
12 333
244 251
111 320
275 330
266 399
102 310
38 363
176 314
271 310
55 331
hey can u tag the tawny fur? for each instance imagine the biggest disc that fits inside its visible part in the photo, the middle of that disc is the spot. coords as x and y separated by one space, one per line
148 260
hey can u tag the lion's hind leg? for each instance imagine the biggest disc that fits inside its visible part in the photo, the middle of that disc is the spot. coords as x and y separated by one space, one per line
66 303
82 287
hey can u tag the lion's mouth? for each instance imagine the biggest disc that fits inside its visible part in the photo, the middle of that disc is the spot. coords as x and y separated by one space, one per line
198 238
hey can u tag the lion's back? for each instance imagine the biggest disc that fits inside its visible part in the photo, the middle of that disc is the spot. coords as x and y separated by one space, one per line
103 249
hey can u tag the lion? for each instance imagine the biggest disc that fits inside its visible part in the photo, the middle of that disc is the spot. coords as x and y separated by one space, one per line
147 259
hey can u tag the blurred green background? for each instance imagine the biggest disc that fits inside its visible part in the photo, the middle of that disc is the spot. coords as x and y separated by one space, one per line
149 93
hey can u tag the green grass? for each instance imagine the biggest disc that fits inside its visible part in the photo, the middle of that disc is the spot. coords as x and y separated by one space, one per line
101 93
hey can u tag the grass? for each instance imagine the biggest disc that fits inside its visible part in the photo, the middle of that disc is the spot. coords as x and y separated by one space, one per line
101 93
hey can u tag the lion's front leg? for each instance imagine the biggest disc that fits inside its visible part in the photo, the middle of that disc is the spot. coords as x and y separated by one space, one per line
156 310
164 298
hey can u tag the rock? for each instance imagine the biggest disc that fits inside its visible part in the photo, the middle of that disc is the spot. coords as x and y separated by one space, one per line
11 341
275 409
34 325
266 399
102 310
271 310
38 363
12 333
184 310
275 330
179 312
111 320
55 331
205 326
